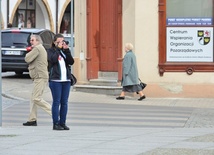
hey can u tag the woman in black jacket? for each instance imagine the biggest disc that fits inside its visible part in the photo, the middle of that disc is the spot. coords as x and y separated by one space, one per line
59 63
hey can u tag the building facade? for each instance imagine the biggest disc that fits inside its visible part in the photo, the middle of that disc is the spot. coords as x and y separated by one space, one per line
173 41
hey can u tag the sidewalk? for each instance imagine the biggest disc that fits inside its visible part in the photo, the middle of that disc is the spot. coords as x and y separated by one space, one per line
85 140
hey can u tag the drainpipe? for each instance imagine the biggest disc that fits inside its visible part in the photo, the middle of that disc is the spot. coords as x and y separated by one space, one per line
72 27
57 2
0 74
8 11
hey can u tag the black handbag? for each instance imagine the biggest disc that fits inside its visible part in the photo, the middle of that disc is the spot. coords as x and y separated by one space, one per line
73 80
143 85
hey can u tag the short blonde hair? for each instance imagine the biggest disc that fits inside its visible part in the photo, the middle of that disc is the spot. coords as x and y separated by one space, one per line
129 46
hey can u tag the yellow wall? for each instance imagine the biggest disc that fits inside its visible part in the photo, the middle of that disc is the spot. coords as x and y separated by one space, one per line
140 26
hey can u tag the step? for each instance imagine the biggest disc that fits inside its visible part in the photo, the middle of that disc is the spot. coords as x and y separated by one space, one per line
108 90
104 82
108 75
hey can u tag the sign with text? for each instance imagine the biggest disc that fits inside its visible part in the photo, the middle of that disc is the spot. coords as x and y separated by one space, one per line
189 44
189 21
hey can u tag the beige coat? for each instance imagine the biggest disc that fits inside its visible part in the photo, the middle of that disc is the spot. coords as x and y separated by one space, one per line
38 64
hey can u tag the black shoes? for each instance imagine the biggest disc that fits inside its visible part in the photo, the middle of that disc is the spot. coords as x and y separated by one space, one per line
57 127
123 97
120 98
141 98
65 127
33 123
60 127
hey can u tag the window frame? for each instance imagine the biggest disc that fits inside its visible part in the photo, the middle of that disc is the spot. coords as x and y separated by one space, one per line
163 65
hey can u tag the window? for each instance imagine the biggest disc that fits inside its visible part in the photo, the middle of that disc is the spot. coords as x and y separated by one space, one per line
186 36
15 39
189 8
25 15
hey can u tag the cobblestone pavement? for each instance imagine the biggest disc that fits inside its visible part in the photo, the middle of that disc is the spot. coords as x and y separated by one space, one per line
201 118
209 138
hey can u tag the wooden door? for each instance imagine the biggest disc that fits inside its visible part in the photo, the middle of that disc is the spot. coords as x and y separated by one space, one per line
104 36
109 35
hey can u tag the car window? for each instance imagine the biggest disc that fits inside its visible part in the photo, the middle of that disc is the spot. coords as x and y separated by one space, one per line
15 39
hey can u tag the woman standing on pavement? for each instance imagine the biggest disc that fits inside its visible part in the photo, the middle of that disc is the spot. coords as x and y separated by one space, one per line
130 80
59 62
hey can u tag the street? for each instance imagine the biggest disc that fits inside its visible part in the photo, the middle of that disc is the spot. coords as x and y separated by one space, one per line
100 124
99 114
85 110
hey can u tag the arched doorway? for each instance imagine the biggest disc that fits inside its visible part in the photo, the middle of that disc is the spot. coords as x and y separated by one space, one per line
104 36
32 14
65 26
25 16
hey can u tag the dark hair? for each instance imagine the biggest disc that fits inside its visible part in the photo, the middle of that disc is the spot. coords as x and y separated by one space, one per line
56 37
9 25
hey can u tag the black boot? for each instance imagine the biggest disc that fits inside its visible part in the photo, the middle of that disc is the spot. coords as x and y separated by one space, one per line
65 127
57 127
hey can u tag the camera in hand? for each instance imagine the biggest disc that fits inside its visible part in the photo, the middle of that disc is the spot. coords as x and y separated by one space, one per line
66 42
